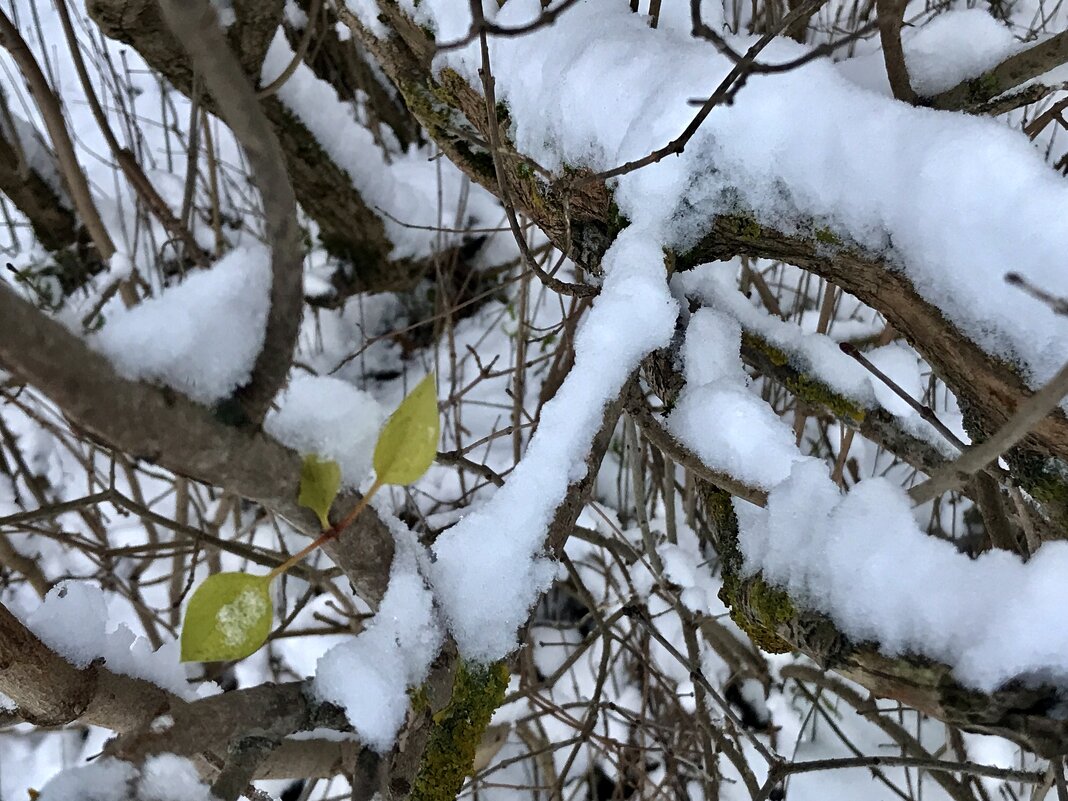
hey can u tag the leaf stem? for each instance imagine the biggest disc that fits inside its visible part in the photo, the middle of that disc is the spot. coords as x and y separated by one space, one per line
329 534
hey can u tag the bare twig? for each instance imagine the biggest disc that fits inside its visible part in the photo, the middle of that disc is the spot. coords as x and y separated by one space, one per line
298 54
1058 304
52 114
891 15
481 27
978 457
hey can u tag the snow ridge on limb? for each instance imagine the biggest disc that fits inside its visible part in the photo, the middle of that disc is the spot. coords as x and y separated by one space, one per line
491 567
883 230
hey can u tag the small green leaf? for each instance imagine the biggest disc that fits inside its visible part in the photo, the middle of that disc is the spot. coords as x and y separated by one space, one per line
320 481
409 441
228 617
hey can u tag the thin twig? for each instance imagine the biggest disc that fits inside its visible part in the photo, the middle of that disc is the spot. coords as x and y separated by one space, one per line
1030 412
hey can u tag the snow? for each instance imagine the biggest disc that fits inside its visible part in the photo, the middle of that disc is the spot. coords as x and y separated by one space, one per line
38 157
200 337
953 47
816 355
236 618
687 568
72 620
491 567
164 777
949 199
728 427
404 189
331 418
715 285
900 365
104 780
168 777
369 675
863 559
295 15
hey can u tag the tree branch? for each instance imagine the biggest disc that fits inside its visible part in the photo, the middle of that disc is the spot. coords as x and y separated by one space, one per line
49 691
974 93
164 427
891 16
196 26
54 225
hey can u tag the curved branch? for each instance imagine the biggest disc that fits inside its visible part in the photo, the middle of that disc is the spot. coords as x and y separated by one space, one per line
49 691
580 219
196 26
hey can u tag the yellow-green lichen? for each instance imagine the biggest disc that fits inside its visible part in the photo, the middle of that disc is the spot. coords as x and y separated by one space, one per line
816 393
806 388
617 220
457 731
419 700
479 161
983 88
764 608
531 188
432 113
450 84
1044 479
827 237
777 356
755 606
745 228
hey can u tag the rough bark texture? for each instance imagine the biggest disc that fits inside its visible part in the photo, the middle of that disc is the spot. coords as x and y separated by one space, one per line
49 691
977 93
579 217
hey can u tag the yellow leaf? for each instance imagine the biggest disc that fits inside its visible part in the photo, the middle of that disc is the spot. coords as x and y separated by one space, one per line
319 485
228 617
409 441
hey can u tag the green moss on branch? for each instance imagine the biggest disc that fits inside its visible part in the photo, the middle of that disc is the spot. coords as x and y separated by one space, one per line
457 731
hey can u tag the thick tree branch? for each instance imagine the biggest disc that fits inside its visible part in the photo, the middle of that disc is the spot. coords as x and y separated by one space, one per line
975 93
52 114
164 427
49 691
579 218
348 228
344 65
988 388
49 215
581 221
